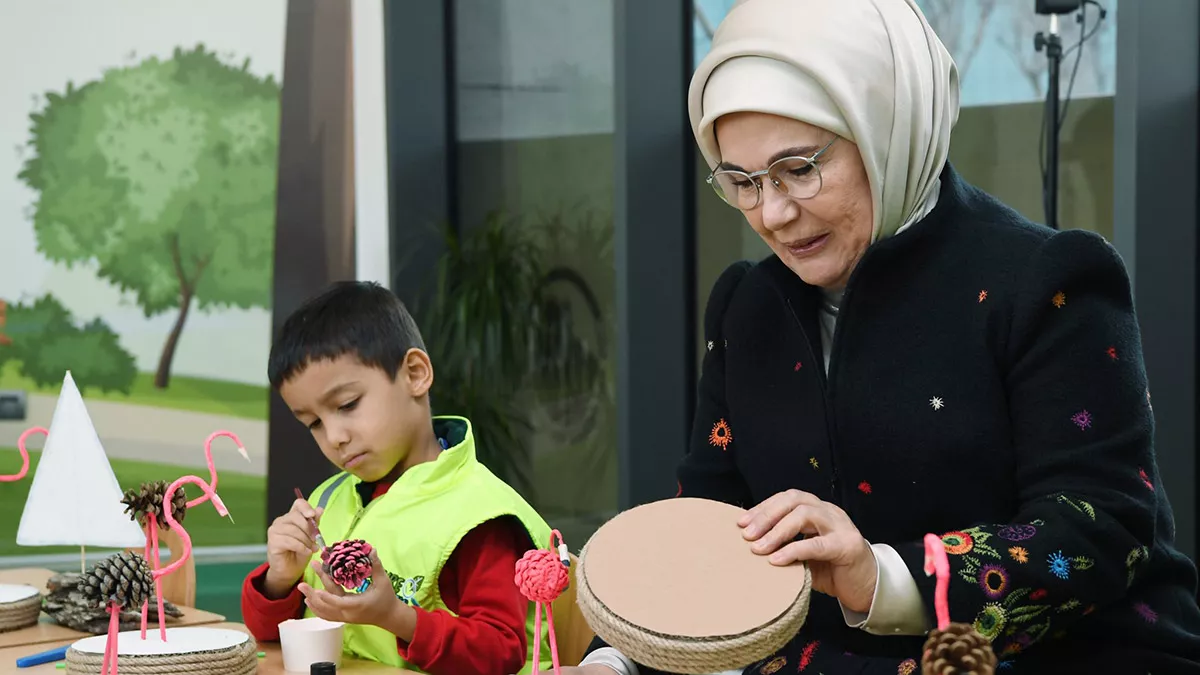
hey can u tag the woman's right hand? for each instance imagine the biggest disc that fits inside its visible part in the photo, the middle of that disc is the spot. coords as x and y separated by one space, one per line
290 545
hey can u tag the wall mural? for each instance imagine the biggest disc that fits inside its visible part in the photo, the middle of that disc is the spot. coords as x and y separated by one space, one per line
137 202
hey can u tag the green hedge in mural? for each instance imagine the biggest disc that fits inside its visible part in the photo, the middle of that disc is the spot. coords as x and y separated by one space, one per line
46 342
162 176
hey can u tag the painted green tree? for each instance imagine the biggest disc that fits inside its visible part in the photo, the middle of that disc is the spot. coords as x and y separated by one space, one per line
162 176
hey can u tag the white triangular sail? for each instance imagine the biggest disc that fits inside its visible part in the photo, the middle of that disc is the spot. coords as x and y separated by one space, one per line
75 499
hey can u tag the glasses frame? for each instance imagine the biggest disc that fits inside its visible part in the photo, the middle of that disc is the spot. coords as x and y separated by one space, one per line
755 176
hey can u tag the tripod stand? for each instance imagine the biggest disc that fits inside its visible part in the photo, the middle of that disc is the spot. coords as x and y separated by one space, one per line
1052 42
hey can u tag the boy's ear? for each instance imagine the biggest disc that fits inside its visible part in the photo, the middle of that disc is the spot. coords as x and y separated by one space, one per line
417 370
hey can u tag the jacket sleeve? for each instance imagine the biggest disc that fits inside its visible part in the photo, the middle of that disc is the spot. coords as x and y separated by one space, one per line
708 469
1088 492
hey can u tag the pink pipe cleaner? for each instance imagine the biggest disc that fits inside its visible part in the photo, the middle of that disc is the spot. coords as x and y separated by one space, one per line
24 454
174 525
212 467
152 526
937 562
542 575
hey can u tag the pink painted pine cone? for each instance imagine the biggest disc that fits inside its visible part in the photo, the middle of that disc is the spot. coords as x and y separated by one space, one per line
348 562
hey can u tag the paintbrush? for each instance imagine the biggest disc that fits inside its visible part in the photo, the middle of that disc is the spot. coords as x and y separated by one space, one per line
316 531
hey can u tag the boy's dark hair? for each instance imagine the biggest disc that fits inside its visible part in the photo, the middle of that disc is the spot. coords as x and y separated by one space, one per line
359 318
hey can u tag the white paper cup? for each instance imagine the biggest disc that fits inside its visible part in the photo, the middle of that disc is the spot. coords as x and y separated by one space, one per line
308 641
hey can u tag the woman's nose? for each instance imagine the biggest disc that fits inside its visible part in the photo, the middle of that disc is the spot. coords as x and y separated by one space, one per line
777 208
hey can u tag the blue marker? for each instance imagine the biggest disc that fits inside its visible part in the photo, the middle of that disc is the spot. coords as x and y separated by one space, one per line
45 657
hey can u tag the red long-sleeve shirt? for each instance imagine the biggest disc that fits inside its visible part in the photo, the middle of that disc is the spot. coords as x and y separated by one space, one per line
486 636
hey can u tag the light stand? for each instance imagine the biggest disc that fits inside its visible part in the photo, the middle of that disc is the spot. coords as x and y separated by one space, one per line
1052 42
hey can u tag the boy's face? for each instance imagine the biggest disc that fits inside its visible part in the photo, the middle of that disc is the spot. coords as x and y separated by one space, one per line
364 422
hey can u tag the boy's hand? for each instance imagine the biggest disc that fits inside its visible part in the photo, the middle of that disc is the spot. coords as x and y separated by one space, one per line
290 545
376 606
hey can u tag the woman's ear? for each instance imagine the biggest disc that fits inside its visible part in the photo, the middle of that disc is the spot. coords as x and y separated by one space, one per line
417 370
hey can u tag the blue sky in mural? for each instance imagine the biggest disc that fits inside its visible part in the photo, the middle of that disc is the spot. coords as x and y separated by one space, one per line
999 62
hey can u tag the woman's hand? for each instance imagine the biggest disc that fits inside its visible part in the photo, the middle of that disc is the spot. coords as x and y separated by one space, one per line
841 560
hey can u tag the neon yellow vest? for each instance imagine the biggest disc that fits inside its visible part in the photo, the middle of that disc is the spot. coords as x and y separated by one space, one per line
417 524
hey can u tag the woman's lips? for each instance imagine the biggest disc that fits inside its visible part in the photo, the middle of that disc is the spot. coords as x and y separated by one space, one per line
806 247
355 460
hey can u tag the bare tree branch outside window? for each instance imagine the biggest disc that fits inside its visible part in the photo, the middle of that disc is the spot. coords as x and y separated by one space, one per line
961 30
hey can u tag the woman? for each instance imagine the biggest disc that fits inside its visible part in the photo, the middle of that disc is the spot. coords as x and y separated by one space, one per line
916 357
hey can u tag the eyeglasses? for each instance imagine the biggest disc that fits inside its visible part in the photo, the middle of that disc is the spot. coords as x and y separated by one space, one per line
796 177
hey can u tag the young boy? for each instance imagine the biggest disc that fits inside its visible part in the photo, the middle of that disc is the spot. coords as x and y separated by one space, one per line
351 365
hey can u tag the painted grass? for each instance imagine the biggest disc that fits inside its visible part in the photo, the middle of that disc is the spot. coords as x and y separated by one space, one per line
184 393
244 495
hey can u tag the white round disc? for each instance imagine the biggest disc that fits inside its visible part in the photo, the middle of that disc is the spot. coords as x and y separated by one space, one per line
179 641
16 593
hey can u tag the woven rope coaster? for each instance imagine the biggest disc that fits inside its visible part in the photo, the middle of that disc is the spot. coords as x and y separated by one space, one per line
650 584
187 651
19 607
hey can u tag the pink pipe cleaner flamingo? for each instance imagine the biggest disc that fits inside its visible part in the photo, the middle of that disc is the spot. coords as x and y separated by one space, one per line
212 467
936 562
24 454
542 575
152 524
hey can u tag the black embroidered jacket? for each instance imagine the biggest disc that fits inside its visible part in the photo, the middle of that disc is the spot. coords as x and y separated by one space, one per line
987 385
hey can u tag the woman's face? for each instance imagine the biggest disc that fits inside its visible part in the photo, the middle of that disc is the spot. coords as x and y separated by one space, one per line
822 238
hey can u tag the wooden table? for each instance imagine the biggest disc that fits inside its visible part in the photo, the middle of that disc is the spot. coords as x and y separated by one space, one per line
47 631
271 664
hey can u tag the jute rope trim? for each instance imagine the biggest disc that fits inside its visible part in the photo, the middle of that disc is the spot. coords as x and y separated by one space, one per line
239 660
20 614
689 655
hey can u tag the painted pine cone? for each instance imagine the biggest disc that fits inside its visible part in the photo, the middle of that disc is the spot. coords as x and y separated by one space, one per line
348 562
147 499
123 578
958 650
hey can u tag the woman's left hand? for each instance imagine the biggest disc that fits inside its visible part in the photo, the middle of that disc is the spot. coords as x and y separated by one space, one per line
841 560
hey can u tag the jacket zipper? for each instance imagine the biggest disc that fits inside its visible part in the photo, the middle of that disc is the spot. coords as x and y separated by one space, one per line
831 425
825 404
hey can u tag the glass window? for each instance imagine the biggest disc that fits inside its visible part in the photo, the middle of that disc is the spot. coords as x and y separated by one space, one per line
535 309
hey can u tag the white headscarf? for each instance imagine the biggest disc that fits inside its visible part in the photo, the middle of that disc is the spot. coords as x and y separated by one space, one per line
870 71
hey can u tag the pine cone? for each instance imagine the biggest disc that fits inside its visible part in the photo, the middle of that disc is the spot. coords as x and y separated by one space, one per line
147 499
66 603
348 562
959 650
123 578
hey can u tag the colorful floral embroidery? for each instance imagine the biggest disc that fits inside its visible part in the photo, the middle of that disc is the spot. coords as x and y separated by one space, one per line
806 656
864 487
1068 605
907 667
1132 560
1112 353
993 579
1082 419
937 403
1059 565
814 462
1148 614
982 295
991 620
1059 299
1017 532
797 367
1145 478
1019 554
1079 505
970 545
721 435
773 666
1039 594
710 345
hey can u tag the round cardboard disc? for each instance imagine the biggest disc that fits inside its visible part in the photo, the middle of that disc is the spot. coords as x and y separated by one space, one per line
190 640
681 567
16 592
